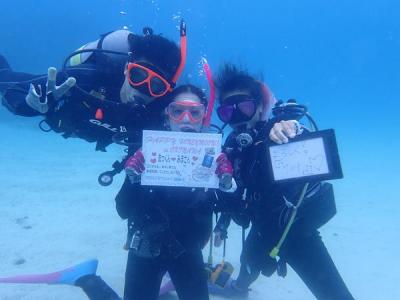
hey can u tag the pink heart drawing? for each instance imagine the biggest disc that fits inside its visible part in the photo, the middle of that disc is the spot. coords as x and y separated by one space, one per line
195 158
153 160
154 153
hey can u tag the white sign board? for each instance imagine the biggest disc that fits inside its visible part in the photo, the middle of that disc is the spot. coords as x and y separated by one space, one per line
180 158
299 159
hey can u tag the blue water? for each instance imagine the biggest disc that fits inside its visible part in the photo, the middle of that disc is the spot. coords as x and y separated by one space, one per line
341 58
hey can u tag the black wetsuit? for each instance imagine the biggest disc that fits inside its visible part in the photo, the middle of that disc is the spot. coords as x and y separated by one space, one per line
175 224
265 206
99 80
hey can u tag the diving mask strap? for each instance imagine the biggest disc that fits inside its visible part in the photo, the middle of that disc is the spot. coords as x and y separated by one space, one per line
269 100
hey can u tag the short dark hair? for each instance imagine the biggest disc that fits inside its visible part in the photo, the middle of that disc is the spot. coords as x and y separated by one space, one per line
188 88
164 54
231 78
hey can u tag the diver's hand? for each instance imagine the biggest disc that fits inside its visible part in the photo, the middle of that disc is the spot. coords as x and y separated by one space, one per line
39 102
224 172
134 166
283 130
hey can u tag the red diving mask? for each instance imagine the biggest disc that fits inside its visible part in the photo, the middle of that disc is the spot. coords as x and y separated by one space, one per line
157 85
193 110
138 74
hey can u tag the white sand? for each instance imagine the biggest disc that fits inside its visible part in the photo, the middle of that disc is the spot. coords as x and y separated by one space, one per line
54 214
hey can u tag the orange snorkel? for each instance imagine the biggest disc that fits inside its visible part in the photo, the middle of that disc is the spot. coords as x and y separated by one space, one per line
183 44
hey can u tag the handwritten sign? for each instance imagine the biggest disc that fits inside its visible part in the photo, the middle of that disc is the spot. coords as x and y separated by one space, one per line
180 158
299 159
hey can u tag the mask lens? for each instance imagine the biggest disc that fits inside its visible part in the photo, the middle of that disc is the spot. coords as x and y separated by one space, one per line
176 112
138 75
196 114
248 108
157 85
225 112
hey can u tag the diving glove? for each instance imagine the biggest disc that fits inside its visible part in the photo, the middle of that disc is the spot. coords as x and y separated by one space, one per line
224 172
134 166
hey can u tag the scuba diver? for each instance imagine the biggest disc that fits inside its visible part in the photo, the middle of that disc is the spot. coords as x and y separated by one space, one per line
115 85
107 87
244 104
169 226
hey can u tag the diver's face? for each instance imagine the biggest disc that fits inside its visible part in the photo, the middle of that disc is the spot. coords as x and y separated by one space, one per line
241 105
186 113
129 94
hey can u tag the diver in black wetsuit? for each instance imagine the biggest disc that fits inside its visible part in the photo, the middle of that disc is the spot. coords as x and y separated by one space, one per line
107 87
244 103
169 226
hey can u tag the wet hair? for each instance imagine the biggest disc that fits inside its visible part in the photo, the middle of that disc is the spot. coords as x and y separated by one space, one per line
159 51
188 88
230 78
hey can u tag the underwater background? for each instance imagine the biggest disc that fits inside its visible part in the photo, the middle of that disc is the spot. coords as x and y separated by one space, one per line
340 58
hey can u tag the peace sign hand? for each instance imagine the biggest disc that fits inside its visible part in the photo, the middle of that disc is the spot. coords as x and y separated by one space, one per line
35 96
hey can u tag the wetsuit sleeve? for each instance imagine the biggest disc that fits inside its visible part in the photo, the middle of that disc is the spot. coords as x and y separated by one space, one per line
14 87
14 96
233 206
14 101
128 198
230 202
223 224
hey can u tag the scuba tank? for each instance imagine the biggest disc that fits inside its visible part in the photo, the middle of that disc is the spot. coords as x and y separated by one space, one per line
291 110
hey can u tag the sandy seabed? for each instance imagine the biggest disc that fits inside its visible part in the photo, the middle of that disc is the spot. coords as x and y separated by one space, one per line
54 214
